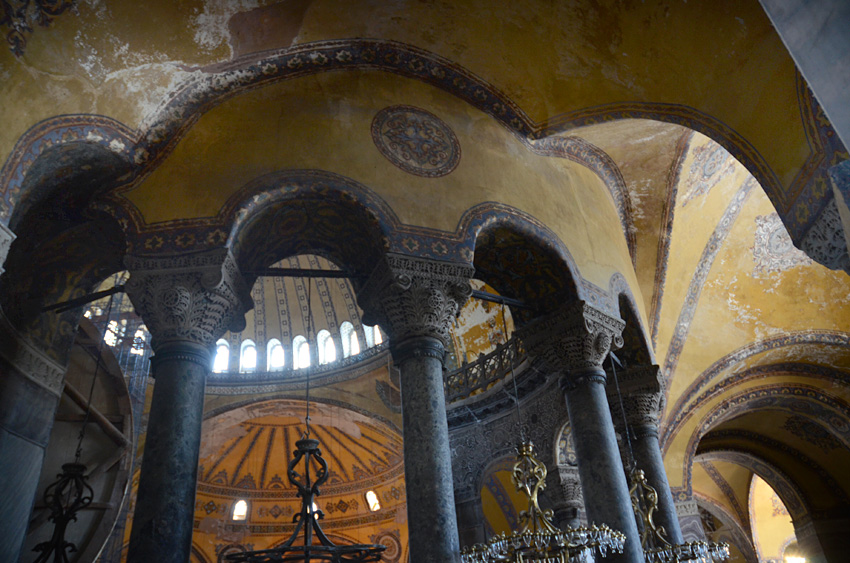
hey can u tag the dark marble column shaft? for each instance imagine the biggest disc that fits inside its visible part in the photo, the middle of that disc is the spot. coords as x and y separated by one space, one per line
647 452
162 522
470 521
603 481
26 418
433 532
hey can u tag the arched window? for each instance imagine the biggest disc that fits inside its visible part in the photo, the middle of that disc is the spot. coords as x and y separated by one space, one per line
240 510
222 356
353 343
139 341
300 352
372 501
113 333
345 330
248 357
378 335
275 355
370 336
327 348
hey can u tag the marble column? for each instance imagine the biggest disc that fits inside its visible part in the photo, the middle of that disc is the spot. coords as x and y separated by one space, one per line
567 510
187 303
690 521
30 390
470 521
641 392
414 301
573 341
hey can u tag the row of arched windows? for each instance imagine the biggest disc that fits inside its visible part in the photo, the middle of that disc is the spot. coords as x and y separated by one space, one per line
302 354
239 512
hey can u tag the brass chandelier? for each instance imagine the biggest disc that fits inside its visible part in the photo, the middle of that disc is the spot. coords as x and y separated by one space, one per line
538 541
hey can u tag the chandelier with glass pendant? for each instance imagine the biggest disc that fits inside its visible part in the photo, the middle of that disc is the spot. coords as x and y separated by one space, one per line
538 541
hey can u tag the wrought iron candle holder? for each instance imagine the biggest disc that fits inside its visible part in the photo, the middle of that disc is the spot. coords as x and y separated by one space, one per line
307 521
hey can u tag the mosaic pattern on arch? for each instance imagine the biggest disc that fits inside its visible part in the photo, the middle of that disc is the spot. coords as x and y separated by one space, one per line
416 141
711 164
773 250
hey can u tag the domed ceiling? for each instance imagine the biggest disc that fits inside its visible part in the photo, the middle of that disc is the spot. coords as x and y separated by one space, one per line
244 456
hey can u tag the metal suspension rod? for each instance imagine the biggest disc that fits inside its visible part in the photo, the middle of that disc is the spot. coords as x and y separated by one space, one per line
493 298
68 305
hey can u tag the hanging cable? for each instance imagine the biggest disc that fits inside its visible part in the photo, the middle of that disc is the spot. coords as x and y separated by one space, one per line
309 326
78 454
513 379
626 429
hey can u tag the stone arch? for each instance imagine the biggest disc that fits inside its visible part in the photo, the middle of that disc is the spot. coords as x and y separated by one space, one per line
787 490
737 535
636 350
308 212
48 269
701 388
519 256
747 422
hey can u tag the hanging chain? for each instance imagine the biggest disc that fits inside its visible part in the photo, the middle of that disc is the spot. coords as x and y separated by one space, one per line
309 327
626 429
513 379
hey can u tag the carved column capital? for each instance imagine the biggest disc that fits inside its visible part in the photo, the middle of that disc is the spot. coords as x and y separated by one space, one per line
415 297
641 391
571 487
193 298
574 339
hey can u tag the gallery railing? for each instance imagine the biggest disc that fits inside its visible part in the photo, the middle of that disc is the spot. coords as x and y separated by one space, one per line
478 376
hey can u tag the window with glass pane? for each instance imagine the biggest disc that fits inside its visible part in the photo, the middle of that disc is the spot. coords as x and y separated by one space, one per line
372 501
330 350
321 340
301 351
222 356
345 331
248 358
353 343
139 341
240 510
276 356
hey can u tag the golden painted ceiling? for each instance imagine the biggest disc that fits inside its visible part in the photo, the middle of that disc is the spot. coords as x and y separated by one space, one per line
673 143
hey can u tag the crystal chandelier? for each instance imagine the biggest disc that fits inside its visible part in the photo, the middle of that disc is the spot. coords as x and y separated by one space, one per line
653 539
538 540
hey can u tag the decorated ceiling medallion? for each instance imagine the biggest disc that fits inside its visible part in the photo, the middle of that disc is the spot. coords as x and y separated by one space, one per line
416 141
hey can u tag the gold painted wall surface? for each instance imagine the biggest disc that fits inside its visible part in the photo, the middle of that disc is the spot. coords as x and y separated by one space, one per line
555 61
772 527
324 123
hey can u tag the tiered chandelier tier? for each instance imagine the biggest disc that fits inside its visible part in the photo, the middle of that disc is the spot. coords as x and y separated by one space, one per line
656 548
539 541
307 521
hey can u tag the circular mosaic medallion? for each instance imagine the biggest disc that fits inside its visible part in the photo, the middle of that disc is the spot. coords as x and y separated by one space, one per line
416 141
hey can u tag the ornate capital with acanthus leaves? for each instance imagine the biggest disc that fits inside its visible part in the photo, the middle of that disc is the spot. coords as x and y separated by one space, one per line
415 297
576 337
641 390
194 298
